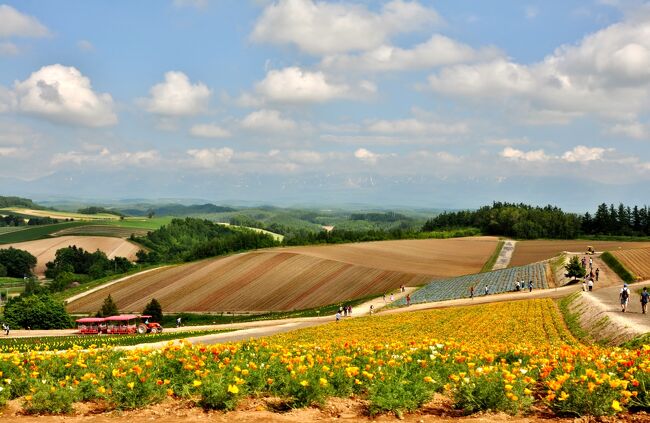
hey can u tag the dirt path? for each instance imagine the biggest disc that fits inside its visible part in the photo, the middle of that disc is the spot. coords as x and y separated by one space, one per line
505 255
606 300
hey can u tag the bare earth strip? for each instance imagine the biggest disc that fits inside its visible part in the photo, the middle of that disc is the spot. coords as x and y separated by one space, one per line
296 278
533 251
45 249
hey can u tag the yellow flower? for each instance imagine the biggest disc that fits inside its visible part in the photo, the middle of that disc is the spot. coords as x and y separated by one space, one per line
304 383
322 381
197 383
233 389
616 406
428 379
563 396
101 390
130 385
508 387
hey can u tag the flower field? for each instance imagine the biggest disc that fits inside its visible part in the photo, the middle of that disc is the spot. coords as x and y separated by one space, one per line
53 343
498 281
502 357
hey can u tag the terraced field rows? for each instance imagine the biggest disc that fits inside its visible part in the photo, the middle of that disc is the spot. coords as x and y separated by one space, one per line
102 230
498 281
636 261
527 252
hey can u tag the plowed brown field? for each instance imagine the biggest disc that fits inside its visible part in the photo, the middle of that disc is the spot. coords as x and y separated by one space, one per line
527 252
296 278
45 249
636 261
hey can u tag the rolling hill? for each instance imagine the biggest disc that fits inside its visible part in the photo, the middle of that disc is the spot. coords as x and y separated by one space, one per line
295 278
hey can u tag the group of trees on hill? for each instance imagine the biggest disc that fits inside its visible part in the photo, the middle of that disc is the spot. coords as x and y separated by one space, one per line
529 222
18 202
73 264
16 263
192 239
98 210
15 220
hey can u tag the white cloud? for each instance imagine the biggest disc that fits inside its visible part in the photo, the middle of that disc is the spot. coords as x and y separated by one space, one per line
584 154
607 73
209 131
8 49
267 120
530 156
437 51
367 156
177 96
211 157
85 45
10 152
7 99
318 27
634 130
417 127
63 94
295 85
16 24
104 157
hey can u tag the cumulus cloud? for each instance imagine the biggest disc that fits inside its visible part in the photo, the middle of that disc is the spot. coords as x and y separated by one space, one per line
16 24
367 156
606 73
319 27
104 157
210 157
437 51
417 127
295 85
177 96
584 154
209 131
10 152
267 120
529 156
63 94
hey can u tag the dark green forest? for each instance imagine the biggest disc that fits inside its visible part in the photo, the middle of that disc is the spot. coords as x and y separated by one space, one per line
529 222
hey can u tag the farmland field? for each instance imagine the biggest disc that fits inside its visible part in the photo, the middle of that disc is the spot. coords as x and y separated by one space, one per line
45 249
527 252
60 214
636 261
31 233
498 281
102 230
292 279
516 358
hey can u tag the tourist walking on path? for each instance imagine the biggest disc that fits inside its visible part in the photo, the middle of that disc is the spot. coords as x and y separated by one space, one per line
487 290
392 298
624 296
372 308
644 300
530 286
591 285
584 286
408 299
471 292
597 273
338 316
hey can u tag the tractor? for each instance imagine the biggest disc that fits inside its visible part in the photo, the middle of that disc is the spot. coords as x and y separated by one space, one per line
590 250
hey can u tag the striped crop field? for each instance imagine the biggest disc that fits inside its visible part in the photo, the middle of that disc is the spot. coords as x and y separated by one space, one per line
498 281
102 230
527 252
60 214
45 249
290 279
635 260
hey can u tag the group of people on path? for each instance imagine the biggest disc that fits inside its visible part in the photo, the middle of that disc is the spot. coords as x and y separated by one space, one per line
345 311
519 286
624 296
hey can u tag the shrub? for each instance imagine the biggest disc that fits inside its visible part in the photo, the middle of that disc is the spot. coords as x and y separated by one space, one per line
37 312
154 309
49 399
18 263
218 394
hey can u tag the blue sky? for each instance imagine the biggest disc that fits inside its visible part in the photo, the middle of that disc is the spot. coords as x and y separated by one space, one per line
384 103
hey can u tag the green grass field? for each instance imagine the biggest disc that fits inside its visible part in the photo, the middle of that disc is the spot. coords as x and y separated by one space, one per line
8 229
31 233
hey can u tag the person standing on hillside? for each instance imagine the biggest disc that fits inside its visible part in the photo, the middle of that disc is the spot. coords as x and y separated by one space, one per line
530 286
624 296
645 296
597 273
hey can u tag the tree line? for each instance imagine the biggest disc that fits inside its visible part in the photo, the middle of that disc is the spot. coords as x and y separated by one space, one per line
530 222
